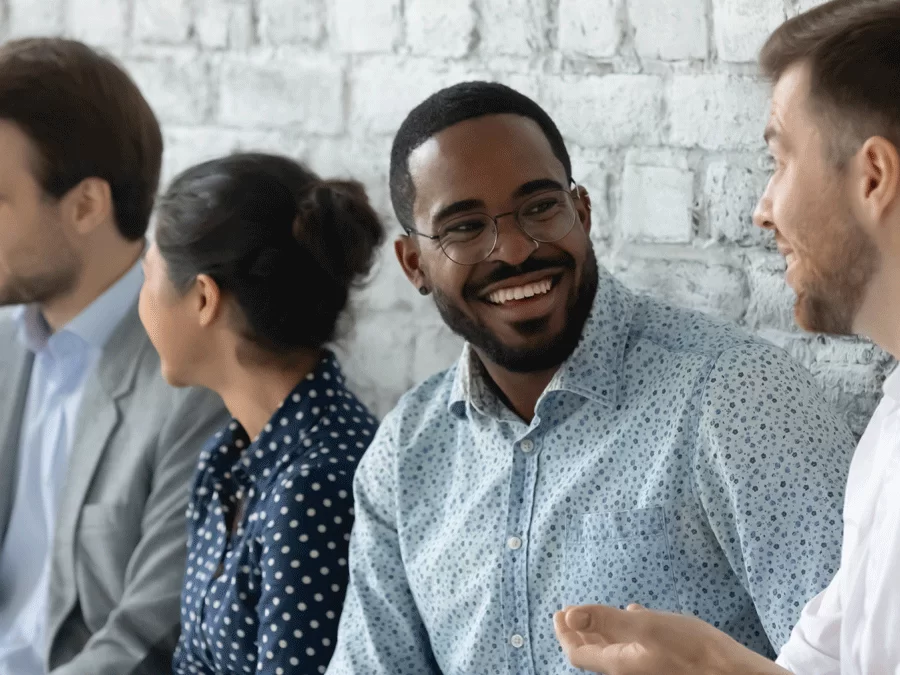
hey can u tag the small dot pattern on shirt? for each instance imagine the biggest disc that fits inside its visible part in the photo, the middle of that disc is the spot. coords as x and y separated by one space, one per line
267 598
673 461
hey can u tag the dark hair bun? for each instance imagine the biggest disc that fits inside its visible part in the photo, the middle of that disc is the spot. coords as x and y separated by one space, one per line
338 226
288 246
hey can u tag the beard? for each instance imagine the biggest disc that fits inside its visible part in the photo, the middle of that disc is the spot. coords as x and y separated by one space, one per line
556 348
830 299
58 279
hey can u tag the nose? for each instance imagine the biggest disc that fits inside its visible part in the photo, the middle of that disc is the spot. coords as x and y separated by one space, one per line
762 215
513 247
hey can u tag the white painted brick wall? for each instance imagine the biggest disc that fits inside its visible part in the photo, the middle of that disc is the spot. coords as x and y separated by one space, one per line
658 100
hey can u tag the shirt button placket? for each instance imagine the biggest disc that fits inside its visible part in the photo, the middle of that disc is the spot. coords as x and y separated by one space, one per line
524 477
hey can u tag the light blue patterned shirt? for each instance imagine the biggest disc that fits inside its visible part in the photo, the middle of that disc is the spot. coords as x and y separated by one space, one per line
673 461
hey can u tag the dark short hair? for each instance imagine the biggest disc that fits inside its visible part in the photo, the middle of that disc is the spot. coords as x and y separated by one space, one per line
450 106
852 48
86 119
285 244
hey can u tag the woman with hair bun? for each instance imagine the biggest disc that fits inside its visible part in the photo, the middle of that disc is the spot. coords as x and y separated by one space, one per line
252 265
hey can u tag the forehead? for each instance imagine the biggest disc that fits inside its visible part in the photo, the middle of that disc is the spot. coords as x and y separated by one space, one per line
17 152
484 159
790 99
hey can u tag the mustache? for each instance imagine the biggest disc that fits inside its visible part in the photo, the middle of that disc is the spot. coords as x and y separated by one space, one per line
503 271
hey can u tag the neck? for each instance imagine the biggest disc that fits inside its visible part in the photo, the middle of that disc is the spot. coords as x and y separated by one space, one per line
519 391
253 392
106 265
879 317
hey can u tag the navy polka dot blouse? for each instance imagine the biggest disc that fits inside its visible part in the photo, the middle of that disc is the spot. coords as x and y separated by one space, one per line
269 528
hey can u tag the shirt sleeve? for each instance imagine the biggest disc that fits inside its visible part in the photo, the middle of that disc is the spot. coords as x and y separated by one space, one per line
381 632
303 564
814 647
770 469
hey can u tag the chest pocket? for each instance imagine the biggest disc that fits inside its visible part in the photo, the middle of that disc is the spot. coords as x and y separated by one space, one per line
620 558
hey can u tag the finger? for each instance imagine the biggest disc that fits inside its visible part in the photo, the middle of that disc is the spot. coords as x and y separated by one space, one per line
614 625
634 607
568 638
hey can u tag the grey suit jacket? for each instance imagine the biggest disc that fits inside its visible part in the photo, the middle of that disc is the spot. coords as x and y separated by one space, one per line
119 546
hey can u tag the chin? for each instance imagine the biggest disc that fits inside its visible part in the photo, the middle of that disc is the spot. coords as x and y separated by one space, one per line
172 377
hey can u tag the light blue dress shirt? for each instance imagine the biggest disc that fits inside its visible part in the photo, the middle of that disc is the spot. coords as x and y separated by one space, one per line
63 362
672 461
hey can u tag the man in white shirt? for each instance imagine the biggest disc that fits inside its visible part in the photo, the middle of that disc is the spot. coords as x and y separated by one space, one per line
834 204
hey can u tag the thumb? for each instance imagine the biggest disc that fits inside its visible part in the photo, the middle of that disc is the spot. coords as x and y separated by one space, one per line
634 607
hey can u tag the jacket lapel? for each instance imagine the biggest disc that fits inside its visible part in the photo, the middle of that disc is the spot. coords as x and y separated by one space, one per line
99 416
15 370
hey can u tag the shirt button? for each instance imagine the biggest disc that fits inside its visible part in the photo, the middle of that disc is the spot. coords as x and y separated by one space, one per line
514 543
527 445
517 641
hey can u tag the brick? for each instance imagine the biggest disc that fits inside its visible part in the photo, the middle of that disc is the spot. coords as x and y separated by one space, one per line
670 31
362 158
162 21
26 18
262 91
607 110
590 28
731 193
366 26
178 87
379 106
224 23
98 22
513 27
594 169
706 287
388 290
742 26
187 146
771 299
718 112
291 21
387 337
657 200
440 28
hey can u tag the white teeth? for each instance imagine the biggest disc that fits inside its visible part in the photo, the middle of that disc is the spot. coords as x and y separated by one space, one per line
504 295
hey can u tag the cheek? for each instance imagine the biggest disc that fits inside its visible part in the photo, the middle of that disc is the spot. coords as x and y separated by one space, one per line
446 275
148 309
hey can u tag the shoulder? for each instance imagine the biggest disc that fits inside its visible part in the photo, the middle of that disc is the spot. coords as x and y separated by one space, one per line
676 329
423 412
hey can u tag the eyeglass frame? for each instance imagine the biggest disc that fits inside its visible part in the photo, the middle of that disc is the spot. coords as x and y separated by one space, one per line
436 237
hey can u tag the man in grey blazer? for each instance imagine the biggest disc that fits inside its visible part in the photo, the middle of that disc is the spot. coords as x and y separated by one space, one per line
96 451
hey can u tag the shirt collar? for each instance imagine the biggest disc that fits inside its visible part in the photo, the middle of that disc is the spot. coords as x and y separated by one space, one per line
593 370
94 325
299 411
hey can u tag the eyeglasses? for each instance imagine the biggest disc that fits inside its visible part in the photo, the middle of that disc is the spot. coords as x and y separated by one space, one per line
470 239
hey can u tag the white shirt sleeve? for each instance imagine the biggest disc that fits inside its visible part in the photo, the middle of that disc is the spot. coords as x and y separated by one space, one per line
815 644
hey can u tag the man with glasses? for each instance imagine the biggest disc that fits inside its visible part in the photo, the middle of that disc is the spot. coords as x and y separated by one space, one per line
589 445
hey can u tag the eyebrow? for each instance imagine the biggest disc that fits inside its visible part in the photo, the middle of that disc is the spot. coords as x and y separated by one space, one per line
529 188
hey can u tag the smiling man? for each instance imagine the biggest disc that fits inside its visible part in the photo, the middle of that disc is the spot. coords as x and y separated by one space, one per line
590 445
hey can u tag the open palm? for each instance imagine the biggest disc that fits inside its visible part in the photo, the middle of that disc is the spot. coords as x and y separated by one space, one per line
637 641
